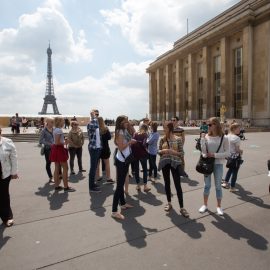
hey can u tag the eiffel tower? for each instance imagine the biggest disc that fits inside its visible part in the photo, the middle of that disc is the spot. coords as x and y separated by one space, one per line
49 95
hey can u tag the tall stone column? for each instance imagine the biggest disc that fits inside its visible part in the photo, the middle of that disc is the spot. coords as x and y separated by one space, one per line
192 102
168 93
206 71
160 91
226 89
152 96
247 71
179 88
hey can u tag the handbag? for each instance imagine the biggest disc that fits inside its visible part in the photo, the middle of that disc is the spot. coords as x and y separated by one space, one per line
205 165
129 159
234 162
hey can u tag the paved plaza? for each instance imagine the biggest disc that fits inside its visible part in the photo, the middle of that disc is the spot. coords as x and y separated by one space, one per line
75 231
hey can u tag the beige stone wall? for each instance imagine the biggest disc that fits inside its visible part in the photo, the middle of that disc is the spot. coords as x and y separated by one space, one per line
249 30
261 70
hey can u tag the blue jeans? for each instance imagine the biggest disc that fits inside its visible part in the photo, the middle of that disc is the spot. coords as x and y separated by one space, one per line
153 165
143 162
218 172
232 172
121 173
94 158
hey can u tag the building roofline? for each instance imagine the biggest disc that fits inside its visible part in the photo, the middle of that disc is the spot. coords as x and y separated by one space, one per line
245 7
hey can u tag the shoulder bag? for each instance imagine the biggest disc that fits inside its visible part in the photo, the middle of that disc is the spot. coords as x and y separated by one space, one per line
205 165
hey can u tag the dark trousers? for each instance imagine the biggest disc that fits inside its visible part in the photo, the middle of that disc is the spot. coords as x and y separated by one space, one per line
268 164
94 158
143 162
75 152
152 165
177 182
232 172
47 152
121 172
5 210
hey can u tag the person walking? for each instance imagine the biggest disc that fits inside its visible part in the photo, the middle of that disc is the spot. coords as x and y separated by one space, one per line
75 143
8 171
215 145
235 157
59 155
105 151
94 148
171 153
46 139
152 142
123 141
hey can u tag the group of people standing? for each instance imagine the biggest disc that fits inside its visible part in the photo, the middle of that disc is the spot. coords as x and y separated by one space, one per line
132 148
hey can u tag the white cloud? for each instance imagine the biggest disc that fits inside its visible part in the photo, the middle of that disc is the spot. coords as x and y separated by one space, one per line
30 38
152 26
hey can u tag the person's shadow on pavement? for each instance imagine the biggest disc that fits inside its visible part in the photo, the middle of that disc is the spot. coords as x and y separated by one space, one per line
190 182
237 231
246 196
149 198
97 200
56 199
3 240
159 187
189 226
45 190
135 232
75 178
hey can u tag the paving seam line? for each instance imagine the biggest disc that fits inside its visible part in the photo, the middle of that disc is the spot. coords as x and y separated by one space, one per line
147 235
109 205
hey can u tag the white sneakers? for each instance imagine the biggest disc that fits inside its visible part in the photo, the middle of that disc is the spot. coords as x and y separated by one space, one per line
269 173
204 208
219 211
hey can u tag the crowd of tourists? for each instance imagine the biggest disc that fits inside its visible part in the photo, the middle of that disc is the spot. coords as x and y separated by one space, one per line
133 148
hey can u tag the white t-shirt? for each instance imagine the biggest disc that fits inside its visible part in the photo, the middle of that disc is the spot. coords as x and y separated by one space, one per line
126 152
59 131
234 141
97 138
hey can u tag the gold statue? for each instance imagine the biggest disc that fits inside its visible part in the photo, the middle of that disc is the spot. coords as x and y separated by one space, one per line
223 109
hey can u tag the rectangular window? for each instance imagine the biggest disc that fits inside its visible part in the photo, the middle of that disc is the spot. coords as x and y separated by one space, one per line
238 82
217 75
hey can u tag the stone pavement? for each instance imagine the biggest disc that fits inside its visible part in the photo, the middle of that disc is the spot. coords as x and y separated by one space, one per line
75 230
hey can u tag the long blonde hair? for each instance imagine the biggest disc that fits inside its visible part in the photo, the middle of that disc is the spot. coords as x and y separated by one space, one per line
102 127
216 122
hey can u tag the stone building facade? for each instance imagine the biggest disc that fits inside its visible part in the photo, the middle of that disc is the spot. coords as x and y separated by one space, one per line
226 62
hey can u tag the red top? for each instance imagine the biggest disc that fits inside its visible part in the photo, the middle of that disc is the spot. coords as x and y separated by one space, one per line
139 149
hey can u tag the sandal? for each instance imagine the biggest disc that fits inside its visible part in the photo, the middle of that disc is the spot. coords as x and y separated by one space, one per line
184 212
168 207
146 188
126 206
9 223
117 215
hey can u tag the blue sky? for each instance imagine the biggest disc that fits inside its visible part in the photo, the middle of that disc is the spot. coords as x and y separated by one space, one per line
100 50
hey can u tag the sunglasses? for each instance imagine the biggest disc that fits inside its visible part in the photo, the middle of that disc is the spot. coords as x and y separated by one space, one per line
210 125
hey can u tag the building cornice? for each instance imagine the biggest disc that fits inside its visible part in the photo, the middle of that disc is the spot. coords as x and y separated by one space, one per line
230 21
